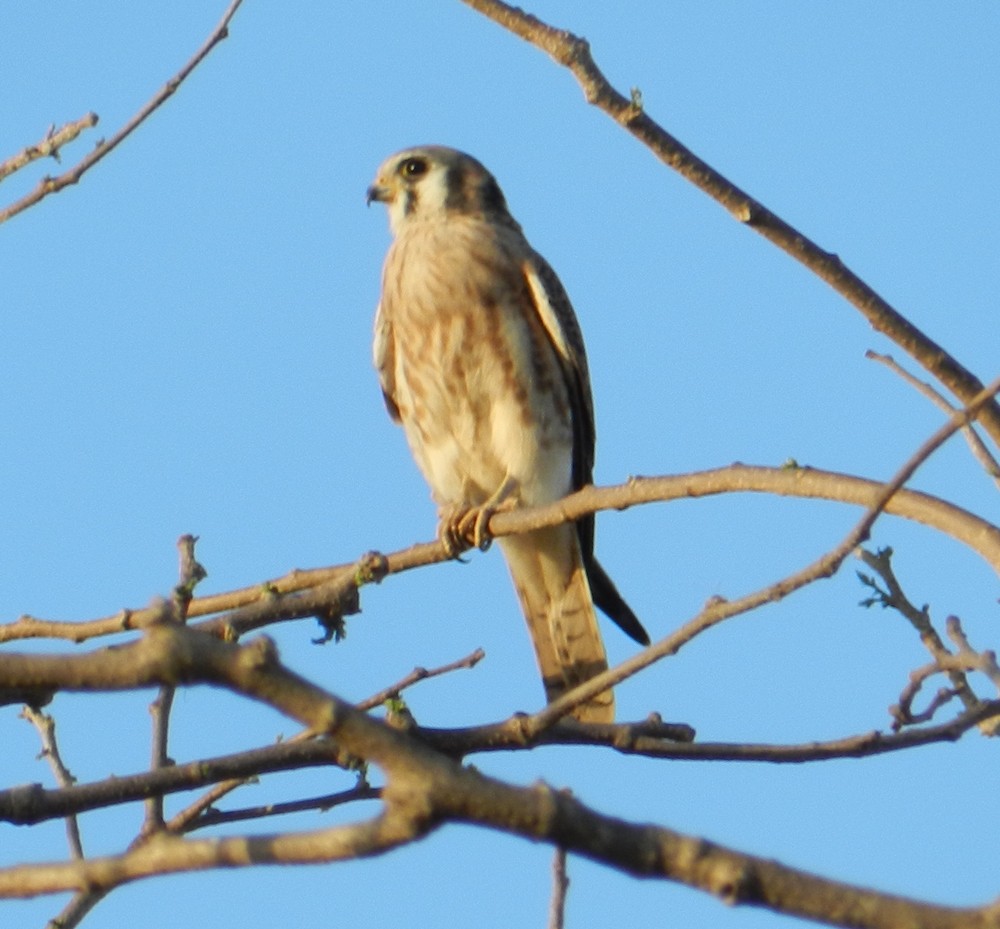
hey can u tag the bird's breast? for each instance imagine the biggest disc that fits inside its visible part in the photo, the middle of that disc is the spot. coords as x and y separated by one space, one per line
480 391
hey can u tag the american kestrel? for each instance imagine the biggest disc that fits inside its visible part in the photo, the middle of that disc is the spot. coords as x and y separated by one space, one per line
481 360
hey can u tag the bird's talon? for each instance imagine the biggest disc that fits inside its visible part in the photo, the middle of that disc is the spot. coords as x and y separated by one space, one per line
453 533
481 532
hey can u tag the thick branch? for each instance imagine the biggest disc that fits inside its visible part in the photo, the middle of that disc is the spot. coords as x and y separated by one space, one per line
31 803
424 790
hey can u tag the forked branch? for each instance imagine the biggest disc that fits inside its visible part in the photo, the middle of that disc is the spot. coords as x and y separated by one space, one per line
51 185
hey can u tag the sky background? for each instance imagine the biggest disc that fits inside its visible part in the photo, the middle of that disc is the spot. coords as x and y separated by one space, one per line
186 348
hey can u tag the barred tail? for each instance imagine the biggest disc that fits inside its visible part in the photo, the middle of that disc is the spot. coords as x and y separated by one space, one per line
548 573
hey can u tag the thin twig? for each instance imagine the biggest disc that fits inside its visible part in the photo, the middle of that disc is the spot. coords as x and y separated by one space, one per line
159 711
46 727
49 147
50 185
560 885
77 909
191 817
985 662
363 791
190 573
420 674
893 597
979 450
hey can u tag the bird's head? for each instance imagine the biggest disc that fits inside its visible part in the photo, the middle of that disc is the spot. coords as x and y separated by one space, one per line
432 182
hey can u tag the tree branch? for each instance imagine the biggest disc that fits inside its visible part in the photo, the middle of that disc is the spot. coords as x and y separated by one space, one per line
893 597
424 790
719 610
334 590
651 742
51 185
978 447
49 147
573 53
46 727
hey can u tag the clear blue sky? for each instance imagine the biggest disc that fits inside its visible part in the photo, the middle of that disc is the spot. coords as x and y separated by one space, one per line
186 349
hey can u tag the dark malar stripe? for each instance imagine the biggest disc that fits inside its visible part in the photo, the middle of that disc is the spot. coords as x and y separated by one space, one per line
410 201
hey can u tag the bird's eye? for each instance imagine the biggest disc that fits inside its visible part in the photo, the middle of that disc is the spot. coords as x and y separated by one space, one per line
413 167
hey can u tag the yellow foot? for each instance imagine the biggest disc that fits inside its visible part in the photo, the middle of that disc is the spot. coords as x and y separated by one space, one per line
448 535
462 527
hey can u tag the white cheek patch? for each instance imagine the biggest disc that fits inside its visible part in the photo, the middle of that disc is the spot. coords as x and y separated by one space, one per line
397 213
421 200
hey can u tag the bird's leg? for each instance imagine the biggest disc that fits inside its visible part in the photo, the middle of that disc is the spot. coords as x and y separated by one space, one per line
449 519
475 523
463 526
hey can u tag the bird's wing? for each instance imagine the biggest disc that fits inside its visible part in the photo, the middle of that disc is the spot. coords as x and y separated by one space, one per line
556 313
384 356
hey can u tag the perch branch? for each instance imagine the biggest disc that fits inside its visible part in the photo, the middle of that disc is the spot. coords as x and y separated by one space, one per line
332 590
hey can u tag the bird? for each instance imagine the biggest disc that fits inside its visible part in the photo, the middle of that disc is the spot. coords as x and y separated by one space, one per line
481 359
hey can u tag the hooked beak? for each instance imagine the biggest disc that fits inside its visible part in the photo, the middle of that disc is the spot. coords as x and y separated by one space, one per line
378 192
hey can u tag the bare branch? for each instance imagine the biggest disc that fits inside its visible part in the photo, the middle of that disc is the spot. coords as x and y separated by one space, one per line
362 791
651 738
31 804
51 185
421 674
49 147
190 574
560 884
979 450
894 598
159 711
719 609
334 590
46 727
630 739
167 854
573 53
75 911
424 790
